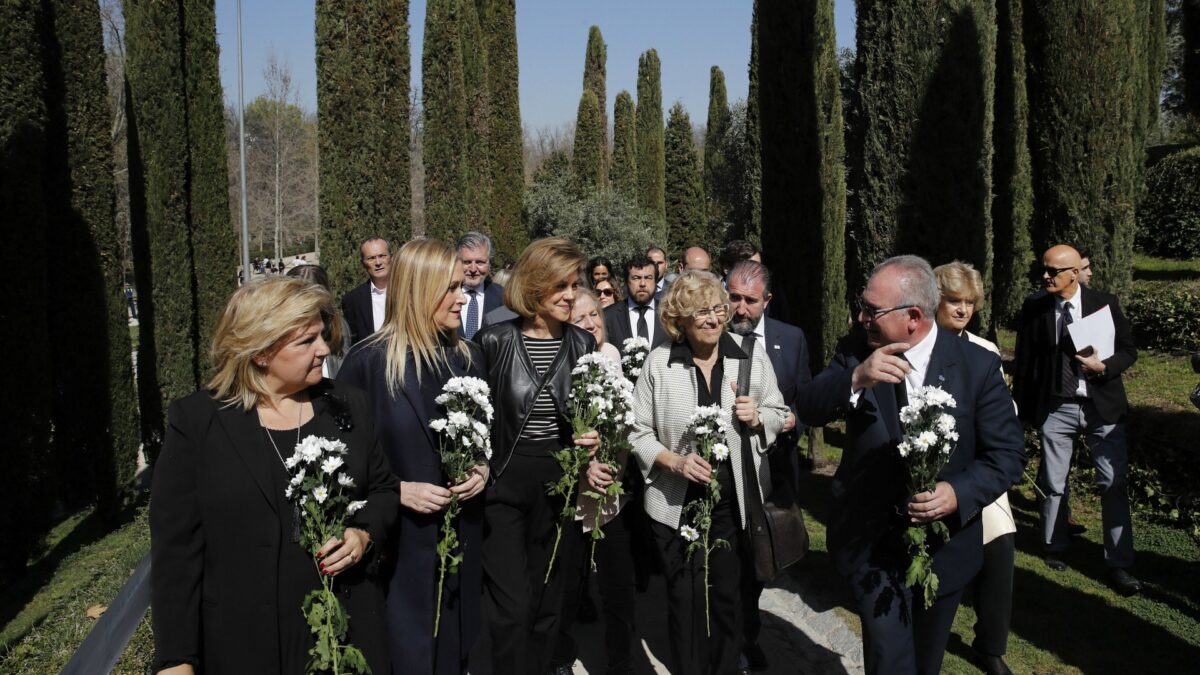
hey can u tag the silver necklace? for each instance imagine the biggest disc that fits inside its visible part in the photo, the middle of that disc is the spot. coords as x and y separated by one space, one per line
299 416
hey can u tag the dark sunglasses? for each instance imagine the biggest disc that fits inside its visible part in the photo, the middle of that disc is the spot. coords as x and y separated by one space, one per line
1055 271
605 291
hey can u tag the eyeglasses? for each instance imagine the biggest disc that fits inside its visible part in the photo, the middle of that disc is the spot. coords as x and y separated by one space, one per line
719 311
1055 271
606 292
873 313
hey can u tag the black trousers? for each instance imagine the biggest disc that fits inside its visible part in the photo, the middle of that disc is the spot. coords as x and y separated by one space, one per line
693 651
993 596
615 579
521 611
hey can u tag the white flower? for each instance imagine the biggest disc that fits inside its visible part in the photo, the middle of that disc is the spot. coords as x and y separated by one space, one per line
310 449
345 481
353 507
334 446
287 492
721 452
298 478
945 424
689 533
702 430
303 500
459 419
331 464
904 448
438 425
925 439
946 448
320 493
293 461
481 429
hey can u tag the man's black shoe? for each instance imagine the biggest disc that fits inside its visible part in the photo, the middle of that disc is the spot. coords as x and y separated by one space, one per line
1055 564
992 665
1124 582
755 656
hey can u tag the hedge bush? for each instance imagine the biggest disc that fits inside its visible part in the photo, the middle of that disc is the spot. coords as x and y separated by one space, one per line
1168 219
1165 318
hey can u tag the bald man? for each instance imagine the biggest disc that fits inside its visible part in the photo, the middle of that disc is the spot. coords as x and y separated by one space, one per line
1064 390
695 258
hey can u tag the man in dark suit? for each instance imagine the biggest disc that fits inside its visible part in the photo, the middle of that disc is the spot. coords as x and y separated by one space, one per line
638 315
475 252
365 306
1063 389
895 348
749 286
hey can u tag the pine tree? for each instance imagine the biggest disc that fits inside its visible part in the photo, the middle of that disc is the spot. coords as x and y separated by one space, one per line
622 171
25 435
504 129
594 67
683 186
714 157
476 161
650 139
754 141
95 408
1012 206
363 131
924 181
1086 158
803 175
587 162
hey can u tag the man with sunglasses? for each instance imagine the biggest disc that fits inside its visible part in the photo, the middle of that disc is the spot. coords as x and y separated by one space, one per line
1064 390
895 348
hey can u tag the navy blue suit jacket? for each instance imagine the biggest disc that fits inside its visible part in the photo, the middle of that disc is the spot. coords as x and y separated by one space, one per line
788 350
493 297
869 488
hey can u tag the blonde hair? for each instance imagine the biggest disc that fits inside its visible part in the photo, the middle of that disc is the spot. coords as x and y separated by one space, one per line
960 279
420 277
691 291
258 318
542 266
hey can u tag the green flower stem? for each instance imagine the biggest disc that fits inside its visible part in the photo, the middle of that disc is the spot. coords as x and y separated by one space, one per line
450 540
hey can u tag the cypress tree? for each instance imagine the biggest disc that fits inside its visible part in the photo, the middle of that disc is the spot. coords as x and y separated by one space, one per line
683 187
650 158
754 139
924 182
594 67
505 138
25 434
363 131
803 175
1085 157
1190 30
95 409
476 161
1012 206
587 162
444 105
714 140
622 171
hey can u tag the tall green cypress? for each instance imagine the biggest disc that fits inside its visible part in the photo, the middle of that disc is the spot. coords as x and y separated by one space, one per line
25 434
923 174
595 64
1085 157
753 139
714 140
1152 15
1012 206
803 175
444 105
1190 29
587 162
650 160
477 172
363 130
504 129
683 187
95 409
622 170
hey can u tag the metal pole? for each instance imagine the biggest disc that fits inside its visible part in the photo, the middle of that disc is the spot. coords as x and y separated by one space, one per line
246 271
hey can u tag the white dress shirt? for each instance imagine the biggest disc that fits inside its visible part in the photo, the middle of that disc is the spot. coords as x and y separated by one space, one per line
378 306
1076 314
918 357
631 307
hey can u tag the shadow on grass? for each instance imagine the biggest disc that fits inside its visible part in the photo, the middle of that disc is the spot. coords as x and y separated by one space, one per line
1165 275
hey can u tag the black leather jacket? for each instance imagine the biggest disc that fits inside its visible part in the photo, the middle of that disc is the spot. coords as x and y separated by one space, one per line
515 382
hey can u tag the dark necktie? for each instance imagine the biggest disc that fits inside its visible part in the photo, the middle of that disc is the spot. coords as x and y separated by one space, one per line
643 329
901 390
472 315
1069 373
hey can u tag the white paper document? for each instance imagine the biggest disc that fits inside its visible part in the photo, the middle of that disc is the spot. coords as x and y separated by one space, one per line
1095 330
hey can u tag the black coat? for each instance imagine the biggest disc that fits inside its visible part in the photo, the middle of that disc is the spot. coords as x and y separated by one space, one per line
617 329
412 449
216 533
1038 365
356 308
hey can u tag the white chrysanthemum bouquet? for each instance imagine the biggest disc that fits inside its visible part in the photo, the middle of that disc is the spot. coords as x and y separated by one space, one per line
601 400
317 490
464 442
929 438
707 429
633 355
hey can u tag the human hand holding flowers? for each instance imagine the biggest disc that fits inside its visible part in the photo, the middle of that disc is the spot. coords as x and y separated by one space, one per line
339 555
928 506
423 497
475 483
694 467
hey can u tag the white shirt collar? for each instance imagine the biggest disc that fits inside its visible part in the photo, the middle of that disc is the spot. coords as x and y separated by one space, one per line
632 306
1075 300
375 290
761 329
918 357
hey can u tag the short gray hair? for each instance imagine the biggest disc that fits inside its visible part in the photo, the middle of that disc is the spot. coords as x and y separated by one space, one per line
475 239
918 284
749 271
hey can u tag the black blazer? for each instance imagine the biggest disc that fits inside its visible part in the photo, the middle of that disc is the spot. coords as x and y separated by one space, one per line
356 307
493 297
1038 365
788 350
869 488
617 329
216 533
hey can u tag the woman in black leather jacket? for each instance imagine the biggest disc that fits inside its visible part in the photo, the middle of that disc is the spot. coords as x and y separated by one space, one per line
528 363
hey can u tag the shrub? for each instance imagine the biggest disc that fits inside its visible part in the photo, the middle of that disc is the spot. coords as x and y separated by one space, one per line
1165 318
1168 219
602 223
